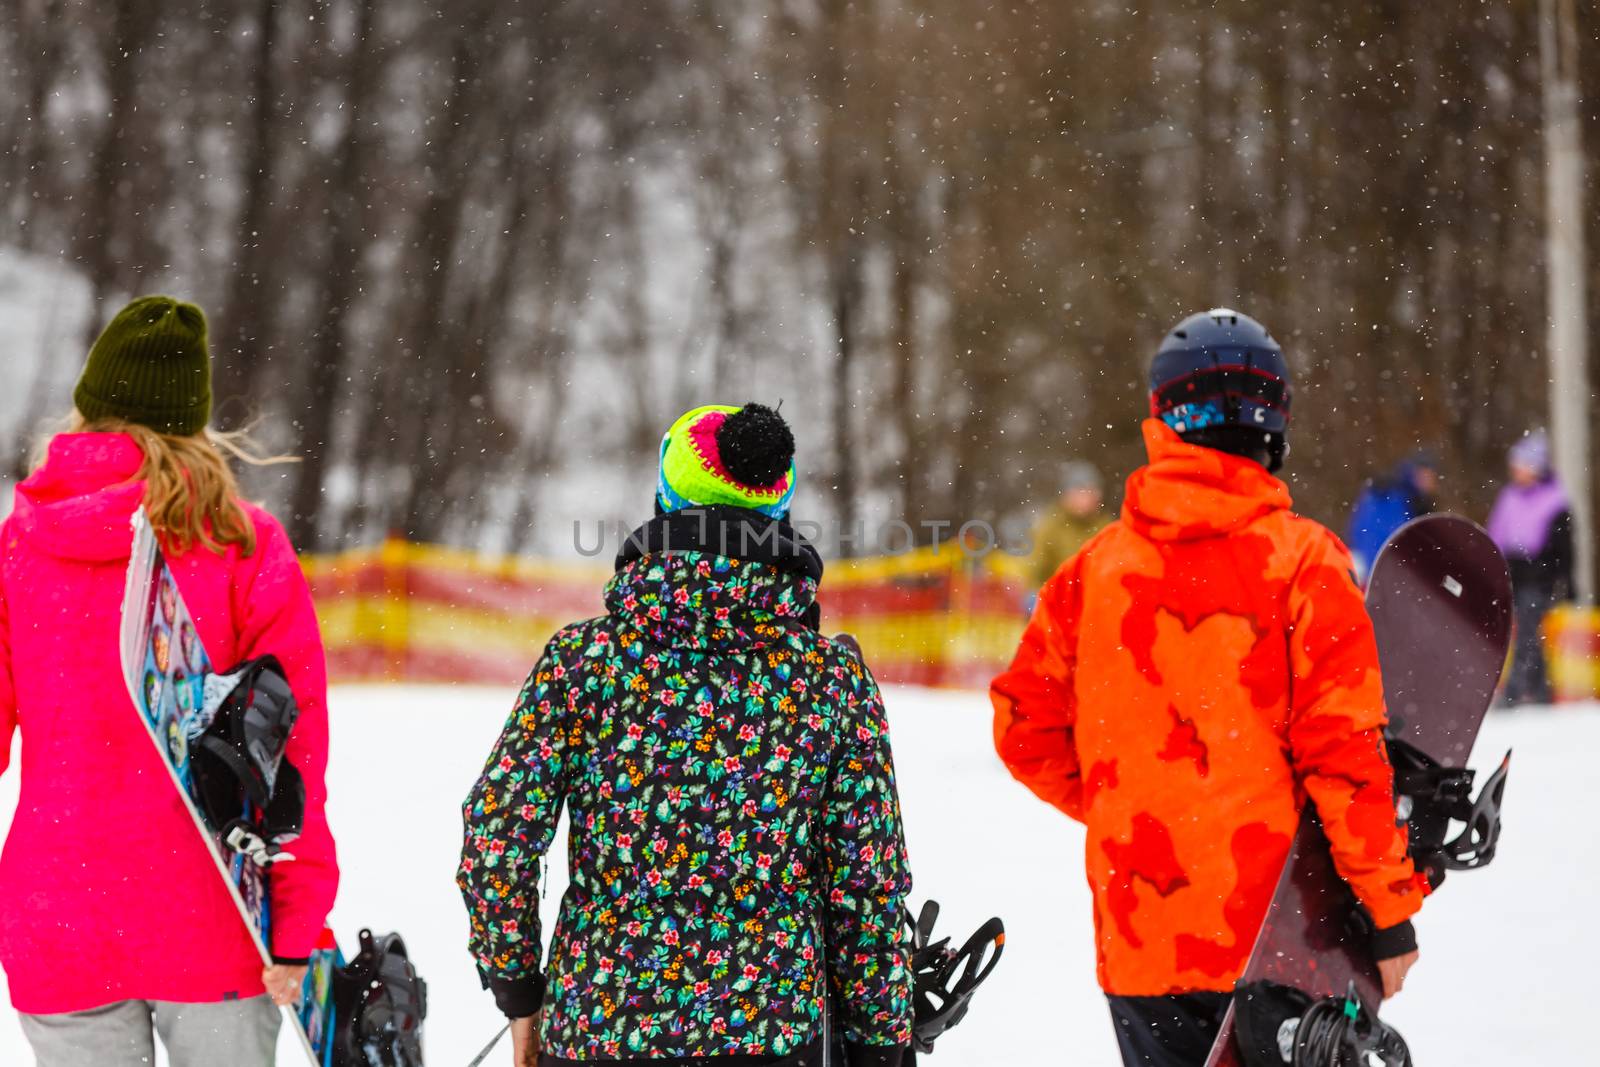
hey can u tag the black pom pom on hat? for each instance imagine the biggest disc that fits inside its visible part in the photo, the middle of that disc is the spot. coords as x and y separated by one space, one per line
756 445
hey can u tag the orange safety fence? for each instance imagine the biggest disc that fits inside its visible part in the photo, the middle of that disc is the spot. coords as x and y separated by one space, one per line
425 613
1572 652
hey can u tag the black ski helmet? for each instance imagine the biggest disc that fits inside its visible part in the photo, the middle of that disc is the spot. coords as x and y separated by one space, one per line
1222 369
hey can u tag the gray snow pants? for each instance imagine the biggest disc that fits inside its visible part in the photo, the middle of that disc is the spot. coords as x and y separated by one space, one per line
238 1033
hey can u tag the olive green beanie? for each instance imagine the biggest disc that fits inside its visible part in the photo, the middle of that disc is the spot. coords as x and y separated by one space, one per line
150 366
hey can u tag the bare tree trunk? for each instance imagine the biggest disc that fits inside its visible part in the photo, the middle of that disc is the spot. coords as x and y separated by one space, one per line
903 342
841 200
846 295
1567 288
244 318
38 42
338 288
454 413
101 224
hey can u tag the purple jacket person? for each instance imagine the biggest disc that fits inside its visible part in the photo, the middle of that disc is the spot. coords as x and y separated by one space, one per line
1532 524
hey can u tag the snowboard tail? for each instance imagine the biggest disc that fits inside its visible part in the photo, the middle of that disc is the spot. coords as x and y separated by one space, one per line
1440 602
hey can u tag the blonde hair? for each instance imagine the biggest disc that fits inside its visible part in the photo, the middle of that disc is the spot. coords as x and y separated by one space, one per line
191 494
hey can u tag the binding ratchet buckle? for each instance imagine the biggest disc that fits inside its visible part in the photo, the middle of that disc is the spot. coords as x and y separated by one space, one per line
243 839
1281 1026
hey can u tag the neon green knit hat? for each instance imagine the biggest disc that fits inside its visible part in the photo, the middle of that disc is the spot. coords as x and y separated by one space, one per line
718 454
150 366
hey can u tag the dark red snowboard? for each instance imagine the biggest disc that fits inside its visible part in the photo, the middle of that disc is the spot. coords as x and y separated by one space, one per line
1440 601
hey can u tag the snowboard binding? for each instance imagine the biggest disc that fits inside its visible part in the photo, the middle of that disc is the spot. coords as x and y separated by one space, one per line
380 1003
944 978
249 795
1429 796
1281 1026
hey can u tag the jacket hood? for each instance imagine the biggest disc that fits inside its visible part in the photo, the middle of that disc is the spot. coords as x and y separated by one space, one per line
80 504
1189 492
705 602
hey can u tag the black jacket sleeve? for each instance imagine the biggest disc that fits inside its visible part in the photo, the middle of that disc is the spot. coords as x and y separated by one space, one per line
1555 560
868 879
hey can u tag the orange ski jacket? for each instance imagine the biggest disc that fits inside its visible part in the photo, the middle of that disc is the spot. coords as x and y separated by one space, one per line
1187 680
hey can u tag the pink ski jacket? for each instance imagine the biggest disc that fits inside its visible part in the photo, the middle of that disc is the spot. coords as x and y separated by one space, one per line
106 890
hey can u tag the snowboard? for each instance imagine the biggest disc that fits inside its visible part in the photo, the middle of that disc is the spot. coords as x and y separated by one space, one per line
167 668
1440 601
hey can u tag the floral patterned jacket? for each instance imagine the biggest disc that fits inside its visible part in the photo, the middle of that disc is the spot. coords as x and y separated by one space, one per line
734 829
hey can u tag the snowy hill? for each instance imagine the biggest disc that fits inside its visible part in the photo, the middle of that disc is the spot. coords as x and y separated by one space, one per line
1501 949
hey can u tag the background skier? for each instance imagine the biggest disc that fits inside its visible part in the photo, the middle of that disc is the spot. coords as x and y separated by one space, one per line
736 844
113 921
1187 681
1386 504
1532 524
1070 522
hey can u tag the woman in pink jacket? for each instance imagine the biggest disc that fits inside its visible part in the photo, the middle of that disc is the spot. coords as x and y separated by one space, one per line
113 923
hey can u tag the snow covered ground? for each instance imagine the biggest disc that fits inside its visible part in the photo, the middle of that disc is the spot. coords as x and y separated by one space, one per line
1506 952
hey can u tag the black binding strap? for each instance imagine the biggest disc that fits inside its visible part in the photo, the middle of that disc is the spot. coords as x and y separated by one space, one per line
1277 1025
1429 796
1475 846
380 1003
249 793
944 979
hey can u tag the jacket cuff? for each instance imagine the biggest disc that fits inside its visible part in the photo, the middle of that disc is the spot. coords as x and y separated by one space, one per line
859 1055
518 998
1394 941
294 941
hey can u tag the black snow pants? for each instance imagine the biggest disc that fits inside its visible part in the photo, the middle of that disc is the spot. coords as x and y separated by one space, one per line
1175 1031
1528 683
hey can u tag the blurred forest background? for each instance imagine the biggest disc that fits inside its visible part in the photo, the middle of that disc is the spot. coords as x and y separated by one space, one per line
469 259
